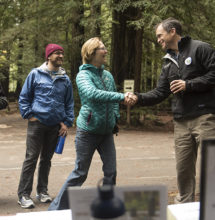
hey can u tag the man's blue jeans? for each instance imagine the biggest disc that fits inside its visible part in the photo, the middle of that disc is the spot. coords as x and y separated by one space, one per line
86 144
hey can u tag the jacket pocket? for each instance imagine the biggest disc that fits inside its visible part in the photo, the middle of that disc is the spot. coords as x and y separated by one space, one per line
89 117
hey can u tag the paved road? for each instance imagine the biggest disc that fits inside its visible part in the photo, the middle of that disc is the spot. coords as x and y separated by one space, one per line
142 158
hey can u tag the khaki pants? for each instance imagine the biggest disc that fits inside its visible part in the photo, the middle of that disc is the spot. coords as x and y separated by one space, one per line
188 136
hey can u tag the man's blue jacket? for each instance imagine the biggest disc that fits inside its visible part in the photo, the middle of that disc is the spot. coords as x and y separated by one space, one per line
47 98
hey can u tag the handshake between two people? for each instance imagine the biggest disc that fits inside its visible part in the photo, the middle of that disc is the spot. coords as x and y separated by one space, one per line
130 99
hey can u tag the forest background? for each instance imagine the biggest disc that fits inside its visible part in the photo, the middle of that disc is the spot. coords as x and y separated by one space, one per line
125 26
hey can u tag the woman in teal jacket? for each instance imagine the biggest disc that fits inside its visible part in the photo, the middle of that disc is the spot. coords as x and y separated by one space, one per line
97 118
99 100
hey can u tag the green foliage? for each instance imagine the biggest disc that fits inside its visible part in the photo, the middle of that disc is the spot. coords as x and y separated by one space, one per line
27 26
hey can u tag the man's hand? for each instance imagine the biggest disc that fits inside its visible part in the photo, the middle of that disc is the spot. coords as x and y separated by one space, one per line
63 130
130 99
177 86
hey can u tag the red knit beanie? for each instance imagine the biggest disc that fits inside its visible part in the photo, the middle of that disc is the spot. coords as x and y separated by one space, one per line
50 48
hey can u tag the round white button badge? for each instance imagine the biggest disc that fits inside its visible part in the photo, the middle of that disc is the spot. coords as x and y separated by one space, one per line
188 61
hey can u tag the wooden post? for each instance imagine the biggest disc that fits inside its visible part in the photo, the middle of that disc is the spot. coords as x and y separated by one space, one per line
128 115
128 87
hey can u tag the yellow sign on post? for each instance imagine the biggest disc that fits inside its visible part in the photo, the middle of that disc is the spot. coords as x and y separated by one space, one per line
128 85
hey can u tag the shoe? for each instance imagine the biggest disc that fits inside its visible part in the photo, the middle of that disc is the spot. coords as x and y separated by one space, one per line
44 197
26 202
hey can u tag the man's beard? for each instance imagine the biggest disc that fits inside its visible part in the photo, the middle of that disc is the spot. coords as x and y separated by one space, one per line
55 62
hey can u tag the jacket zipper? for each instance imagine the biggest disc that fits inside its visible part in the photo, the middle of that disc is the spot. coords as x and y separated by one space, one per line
100 74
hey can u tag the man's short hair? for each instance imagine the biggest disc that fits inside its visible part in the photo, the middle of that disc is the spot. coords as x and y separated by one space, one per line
89 48
170 23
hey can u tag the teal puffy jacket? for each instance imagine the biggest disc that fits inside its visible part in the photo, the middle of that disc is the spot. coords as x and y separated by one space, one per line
99 100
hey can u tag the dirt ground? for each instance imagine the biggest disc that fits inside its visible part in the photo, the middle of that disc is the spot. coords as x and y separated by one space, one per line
143 157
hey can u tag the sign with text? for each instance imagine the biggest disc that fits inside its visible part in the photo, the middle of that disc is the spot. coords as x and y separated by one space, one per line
129 85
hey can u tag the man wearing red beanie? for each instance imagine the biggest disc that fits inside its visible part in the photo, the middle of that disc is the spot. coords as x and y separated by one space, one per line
46 101
50 48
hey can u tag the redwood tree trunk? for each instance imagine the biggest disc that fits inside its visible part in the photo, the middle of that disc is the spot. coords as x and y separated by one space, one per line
77 39
126 54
